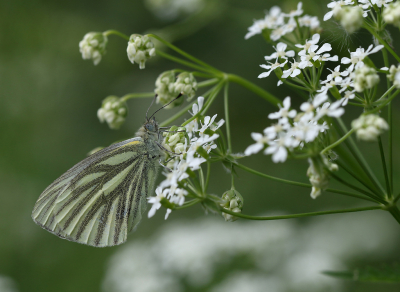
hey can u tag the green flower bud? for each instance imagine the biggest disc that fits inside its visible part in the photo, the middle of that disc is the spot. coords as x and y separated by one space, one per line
93 46
232 201
174 139
187 84
114 111
165 89
140 49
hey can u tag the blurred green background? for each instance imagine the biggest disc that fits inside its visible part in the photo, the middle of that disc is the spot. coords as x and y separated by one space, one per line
49 98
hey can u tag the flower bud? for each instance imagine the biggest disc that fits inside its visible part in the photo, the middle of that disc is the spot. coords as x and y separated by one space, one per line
93 46
351 18
165 89
369 127
394 75
187 84
391 14
232 201
364 78
319 175
113 111
140 49
175 139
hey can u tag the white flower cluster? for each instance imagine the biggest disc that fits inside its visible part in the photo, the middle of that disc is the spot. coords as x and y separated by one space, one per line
186 255
391 13
140 49
113 111
188 159
369 127
93 46
351 15
294 129
168 87
310 55
276 24
394 75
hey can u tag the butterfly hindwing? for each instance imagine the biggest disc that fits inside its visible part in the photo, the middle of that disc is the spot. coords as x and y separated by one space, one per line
99 200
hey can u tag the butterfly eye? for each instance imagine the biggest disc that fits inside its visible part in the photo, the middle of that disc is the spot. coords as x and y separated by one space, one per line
150 127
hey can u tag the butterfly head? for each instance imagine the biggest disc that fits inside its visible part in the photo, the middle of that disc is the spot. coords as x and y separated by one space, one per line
151 126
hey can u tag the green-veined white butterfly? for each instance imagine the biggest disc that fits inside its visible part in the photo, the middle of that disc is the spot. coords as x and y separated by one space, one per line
102 198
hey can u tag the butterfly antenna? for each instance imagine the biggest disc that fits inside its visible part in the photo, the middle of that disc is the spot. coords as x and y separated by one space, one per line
180 94
151 105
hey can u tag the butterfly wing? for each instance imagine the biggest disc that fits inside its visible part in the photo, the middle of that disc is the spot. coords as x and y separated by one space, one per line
101 199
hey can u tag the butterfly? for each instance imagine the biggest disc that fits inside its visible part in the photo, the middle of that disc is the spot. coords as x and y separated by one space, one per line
102 198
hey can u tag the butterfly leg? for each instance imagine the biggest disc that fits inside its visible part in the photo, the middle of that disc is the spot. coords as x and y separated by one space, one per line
163 148
166 167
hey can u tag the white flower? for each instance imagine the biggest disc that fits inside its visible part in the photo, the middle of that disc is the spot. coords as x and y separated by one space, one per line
278 148
272 19
140 49
369 3
314 40
330 110
369 127
309 21
347 95
259 145
364 78
217 126
352 18
391 13
293 71
179 198
312 54
156 201
271 68
359 55
93 46
336 7
284 112
297 12
208 121
280 52
193 126
309 107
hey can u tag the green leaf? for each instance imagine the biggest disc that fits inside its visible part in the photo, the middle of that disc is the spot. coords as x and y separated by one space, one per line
385 273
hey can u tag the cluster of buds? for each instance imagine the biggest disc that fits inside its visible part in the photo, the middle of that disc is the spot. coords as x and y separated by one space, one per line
351 18
394 75
174 139
168 88
93 46
364 78
232 201
318 174
369 127
391 13
113 110
140 49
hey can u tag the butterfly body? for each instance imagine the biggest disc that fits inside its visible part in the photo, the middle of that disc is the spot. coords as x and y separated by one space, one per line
102 198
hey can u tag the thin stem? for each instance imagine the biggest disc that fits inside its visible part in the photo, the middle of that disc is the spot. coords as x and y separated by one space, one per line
360 158
383 104
394 210
116 32
186 55
188 204
354 175
256 89
227 124
208 176
377 36
183 62
300 215
384 167
386 93
137 95
208 82
294 85
299 184
333 145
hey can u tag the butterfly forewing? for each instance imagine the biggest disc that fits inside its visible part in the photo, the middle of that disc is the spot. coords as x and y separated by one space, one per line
99 200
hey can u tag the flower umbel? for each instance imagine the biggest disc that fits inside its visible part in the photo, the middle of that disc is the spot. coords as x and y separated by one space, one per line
113 110
140 49
93 46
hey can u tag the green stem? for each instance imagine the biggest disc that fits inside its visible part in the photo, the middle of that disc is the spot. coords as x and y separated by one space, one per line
299 184
188 204
254 88
228 128
377 36
186 55
208 176
394 210
333 145
383 104
386 93
116 32
183 62
208 82
137 95
360 158
384 167
300 215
